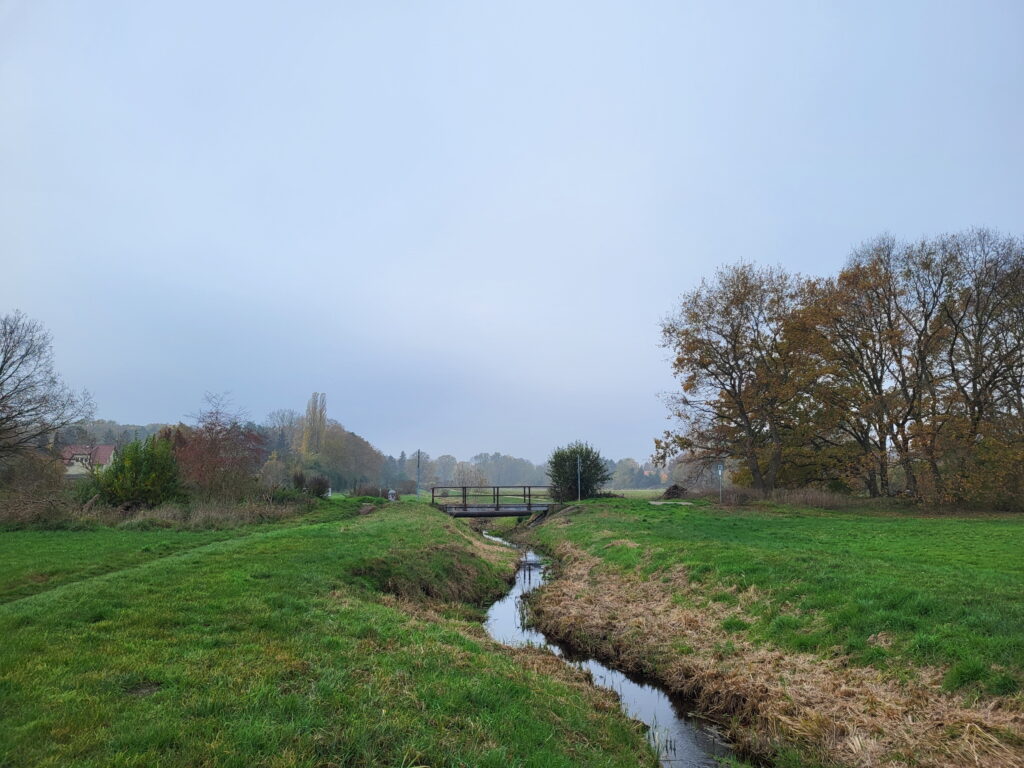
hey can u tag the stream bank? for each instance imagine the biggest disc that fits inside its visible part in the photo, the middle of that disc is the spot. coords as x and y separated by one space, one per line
680 740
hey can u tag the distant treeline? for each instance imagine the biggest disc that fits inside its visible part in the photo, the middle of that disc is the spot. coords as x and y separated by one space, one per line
349 461
500 469
220 454
287 442
274 450
901 375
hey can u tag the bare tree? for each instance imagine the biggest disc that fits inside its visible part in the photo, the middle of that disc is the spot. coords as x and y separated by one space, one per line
466 473
34 400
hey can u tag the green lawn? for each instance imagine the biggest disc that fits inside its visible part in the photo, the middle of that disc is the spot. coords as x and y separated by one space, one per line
298 645
943 590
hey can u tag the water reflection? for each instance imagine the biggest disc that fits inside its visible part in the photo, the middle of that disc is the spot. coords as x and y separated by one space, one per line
681 741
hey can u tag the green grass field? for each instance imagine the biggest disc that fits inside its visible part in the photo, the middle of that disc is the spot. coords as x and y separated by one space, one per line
942 590
322 642
36 561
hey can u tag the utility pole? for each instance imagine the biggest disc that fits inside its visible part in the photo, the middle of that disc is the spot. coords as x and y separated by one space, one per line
417 473
579 489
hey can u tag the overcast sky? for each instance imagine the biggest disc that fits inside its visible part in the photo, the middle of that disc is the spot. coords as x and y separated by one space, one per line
464 221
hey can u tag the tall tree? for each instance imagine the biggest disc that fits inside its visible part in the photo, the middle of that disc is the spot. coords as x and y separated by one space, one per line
285 431
315 424
742 380
851 323
904 371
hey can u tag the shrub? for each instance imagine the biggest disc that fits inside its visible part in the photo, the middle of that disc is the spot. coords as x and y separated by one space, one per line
140 474
317 486
562 469
282 495
51 510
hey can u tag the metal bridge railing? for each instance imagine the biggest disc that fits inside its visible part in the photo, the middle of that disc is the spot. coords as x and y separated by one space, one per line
511 498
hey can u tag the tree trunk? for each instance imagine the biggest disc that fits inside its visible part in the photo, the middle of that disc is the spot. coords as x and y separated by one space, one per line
871 483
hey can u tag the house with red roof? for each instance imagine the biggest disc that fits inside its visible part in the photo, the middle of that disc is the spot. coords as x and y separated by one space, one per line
80 460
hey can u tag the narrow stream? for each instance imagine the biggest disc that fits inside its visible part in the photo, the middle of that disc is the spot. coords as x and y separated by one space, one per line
681 741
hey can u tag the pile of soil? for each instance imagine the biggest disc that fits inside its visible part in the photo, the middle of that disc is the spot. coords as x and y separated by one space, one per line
674 491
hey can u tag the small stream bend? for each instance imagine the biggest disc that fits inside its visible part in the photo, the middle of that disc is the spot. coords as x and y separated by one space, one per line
680 740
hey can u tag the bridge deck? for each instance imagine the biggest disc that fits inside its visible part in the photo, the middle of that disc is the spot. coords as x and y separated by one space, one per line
490 511
492 501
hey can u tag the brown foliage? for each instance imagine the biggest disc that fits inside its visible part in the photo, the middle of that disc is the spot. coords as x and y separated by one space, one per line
740 377
219 457
902 375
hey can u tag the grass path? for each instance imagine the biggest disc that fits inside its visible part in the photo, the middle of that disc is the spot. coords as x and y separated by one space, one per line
37 561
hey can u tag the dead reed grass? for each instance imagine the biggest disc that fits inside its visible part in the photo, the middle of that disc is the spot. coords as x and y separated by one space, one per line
817 498
766 699
213 514
56 509
44 507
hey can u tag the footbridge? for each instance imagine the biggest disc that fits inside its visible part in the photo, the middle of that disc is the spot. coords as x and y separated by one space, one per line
492 500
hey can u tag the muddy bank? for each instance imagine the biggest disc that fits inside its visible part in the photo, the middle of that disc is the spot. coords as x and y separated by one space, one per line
770 704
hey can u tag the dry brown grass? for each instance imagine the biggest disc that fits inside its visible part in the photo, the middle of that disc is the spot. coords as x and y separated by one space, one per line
56 509
36 507
853 716
217 514
817 498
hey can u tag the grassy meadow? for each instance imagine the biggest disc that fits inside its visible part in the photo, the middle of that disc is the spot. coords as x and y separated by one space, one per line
336 639
939 590
814 637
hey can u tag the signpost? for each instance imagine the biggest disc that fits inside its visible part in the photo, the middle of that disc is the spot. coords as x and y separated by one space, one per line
720 471
579 491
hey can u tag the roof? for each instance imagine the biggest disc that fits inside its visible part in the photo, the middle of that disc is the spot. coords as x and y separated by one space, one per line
99 455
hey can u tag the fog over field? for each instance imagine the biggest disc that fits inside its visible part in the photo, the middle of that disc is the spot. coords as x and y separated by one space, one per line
462 221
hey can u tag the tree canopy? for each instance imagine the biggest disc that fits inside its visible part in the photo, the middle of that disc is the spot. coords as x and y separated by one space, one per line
901 375
576 471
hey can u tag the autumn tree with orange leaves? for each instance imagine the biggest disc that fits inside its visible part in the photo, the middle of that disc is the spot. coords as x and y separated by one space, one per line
901 375
743 382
